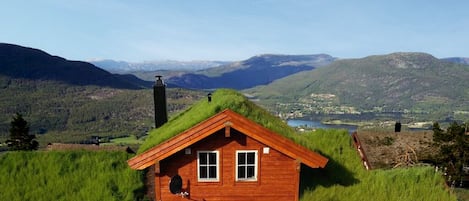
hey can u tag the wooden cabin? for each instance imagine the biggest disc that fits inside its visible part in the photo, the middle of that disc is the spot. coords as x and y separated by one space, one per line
226 157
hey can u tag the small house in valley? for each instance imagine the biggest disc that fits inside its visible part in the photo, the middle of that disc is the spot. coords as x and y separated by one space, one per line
224 149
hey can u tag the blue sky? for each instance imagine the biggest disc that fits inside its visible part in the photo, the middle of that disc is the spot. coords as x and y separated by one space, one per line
136 30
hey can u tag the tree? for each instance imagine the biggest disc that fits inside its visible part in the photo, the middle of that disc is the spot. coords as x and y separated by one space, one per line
19 135
453 145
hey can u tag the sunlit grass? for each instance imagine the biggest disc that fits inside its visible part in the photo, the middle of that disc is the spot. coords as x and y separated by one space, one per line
221 99
344 178
68 175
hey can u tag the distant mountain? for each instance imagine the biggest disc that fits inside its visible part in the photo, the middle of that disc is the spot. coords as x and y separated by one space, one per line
402 82
258 70
461 60
129 67
72 100
34 64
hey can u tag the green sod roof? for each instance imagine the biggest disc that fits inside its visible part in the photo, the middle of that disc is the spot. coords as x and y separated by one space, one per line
221 99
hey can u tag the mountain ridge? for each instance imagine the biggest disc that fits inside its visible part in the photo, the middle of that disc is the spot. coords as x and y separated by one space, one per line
257 70
29 63
397 82
128 67
461 60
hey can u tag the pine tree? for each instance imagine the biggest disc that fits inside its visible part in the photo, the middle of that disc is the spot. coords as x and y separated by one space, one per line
19 135
453 145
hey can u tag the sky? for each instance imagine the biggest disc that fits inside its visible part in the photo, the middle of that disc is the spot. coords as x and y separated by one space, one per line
232 30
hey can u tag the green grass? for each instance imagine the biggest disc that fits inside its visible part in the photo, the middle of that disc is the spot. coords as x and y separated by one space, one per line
68 175
200 111
344 178
127 140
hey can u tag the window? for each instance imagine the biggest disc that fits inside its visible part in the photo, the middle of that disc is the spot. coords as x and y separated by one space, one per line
207 162
246 165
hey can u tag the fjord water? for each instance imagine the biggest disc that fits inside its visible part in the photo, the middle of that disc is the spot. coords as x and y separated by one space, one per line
318 124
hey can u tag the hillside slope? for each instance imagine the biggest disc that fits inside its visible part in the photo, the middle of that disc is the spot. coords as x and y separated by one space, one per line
34 64
76 112
258 70
398 82
73 100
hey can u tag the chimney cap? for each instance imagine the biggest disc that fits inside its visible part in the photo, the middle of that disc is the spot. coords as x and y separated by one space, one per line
159 81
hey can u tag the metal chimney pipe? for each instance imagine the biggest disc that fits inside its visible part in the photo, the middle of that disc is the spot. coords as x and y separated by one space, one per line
159 96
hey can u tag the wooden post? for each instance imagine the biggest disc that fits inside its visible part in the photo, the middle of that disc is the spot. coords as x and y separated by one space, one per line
297 166
228 129
157 181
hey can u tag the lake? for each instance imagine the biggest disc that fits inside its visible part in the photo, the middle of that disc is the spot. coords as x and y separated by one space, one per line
318 124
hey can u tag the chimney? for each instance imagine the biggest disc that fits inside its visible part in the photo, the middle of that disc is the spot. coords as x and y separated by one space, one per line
159 95
397 127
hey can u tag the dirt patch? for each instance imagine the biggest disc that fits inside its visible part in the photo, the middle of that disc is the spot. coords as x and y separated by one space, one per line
387 149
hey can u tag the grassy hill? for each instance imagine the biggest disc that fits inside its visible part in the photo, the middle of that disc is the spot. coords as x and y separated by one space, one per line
69 175
415 83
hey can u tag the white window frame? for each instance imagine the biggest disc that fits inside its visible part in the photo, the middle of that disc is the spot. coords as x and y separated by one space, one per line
217 167
256 165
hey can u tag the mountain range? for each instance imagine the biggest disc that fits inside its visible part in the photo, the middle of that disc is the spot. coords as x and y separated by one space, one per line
128 67
257 70
398 82
58 95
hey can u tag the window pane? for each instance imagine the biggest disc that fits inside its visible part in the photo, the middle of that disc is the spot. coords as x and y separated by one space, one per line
241 158
251 158
250 172
212 158
202 158
203 172
212 172
241 172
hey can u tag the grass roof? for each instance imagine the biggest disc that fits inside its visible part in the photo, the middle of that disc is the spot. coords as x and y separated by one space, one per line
221 99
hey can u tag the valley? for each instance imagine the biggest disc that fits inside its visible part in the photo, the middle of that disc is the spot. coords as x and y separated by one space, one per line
335 95
374 91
